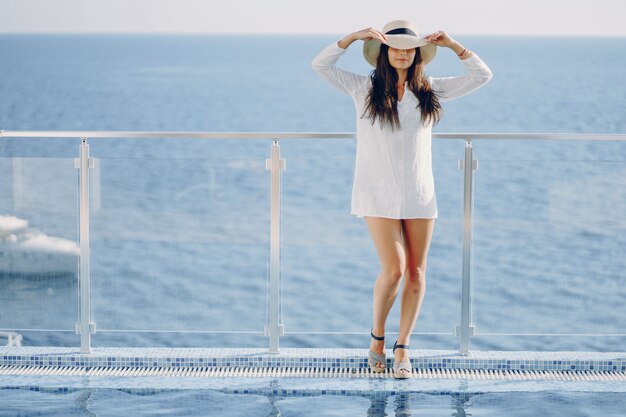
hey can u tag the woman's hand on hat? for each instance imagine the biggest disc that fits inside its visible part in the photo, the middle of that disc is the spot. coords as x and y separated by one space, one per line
370 33
440 38
364 35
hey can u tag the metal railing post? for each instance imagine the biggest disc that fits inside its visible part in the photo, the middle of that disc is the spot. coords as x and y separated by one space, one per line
274 329
466 329
84 327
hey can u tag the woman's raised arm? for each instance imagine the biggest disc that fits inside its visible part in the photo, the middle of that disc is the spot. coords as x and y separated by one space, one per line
478 73
324 62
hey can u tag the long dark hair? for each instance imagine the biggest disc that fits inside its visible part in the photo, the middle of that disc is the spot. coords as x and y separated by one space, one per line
382 100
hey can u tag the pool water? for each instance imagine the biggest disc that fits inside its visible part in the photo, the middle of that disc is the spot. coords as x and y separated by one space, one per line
24 395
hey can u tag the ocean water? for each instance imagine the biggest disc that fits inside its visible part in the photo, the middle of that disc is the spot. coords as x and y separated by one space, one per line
180 227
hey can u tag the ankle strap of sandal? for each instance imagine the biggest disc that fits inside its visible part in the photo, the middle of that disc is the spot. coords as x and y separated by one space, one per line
397 346
377 337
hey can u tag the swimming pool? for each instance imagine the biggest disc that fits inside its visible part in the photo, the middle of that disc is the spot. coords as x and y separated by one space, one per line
32 395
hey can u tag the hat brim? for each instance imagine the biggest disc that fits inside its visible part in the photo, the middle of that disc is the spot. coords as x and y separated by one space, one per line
371 47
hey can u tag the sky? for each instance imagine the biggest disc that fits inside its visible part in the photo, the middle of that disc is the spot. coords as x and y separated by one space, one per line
473 17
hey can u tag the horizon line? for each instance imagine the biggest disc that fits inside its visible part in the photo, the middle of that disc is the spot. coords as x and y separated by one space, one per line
290 34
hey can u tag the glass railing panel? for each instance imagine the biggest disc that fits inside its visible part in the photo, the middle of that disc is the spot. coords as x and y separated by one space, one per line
180 245
329 262
549 252
38 246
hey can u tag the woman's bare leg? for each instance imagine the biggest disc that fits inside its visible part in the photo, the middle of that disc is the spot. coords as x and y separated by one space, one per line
388 240
417 235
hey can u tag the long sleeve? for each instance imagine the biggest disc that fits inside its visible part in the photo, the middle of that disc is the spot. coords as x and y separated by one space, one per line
448 88
324 65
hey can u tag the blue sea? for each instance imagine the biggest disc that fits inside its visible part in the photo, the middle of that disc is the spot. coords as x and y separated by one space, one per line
180 227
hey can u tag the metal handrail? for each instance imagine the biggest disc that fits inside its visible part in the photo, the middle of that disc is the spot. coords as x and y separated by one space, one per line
298 135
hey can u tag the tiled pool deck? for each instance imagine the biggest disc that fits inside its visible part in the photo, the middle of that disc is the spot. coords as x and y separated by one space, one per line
349 359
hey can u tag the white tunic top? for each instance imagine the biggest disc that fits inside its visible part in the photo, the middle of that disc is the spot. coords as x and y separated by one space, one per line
393 175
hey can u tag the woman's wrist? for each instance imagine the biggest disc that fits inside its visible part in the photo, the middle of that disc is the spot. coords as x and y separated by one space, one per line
461 51
456 47
346 41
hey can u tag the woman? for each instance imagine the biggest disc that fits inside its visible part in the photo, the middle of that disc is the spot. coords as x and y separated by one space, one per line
393 187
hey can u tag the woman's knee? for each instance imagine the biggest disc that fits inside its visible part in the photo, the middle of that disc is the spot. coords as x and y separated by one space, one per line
416 274
392 273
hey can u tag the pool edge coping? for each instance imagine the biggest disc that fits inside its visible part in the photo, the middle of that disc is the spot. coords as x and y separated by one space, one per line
326 358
